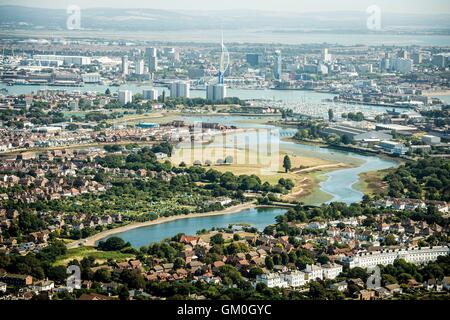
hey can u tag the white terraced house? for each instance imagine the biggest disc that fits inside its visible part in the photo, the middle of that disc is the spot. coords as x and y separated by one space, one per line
314 271
294 278
272 280
283 280
331 270
414 255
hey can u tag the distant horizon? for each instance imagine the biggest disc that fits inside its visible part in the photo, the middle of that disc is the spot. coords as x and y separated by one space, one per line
229 10
432 7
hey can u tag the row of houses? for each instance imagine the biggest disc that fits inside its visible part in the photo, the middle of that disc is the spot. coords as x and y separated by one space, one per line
296 278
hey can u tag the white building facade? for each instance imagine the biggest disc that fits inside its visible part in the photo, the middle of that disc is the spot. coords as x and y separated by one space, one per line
416 255
331 271
180 89
125 96
216 92
150 94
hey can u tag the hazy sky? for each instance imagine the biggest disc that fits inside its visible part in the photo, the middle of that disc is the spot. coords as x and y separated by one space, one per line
404 6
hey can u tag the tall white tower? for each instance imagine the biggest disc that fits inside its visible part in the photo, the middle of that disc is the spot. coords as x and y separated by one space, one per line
125 65
224 61
278 65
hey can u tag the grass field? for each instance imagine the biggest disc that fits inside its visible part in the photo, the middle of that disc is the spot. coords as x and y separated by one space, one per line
100 256
249 162
371 183
313 194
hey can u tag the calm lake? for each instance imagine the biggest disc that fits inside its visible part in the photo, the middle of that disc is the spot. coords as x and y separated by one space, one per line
256 217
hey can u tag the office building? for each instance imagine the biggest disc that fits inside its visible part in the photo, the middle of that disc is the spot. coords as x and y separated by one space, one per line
385 64
417 57
402 65
153 64
253 59
139 67
125 65
151 52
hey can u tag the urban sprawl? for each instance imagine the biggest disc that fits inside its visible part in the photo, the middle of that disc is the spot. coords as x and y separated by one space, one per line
97 136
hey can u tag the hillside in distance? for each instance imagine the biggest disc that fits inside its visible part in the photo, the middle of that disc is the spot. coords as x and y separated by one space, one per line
110 19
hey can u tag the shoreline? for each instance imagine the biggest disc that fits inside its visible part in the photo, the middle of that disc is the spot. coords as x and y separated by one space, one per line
91 241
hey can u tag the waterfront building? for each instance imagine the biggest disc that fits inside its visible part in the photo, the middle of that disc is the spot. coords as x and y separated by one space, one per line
216 92
66 60
91 78
125 96
150 94
343 130
372 136
393 147
180 89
